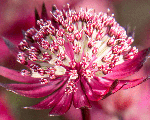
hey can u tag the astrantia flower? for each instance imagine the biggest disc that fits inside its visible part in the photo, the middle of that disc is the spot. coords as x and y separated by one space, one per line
74 57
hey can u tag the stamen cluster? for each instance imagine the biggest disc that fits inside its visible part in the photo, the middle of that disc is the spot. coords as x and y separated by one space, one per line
82 41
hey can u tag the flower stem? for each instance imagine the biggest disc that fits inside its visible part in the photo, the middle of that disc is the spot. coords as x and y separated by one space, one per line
85 114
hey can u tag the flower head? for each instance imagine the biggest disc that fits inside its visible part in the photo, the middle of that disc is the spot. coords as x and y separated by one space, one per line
74 57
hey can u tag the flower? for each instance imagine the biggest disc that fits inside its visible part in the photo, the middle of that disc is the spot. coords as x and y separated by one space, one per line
74 57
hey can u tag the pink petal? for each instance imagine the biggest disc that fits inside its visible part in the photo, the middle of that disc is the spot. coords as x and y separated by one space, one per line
129 67
63 106
96 84
22 86
79 98
69 50
112 89
16 76
40 92
125 84
50 101
93 94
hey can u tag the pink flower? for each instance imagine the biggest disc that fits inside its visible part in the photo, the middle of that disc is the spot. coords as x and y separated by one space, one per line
74 57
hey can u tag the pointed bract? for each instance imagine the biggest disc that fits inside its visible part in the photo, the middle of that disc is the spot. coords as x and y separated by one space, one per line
16 76
129 67
80 100
11 46
44 15
49 102
63 106
37 17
